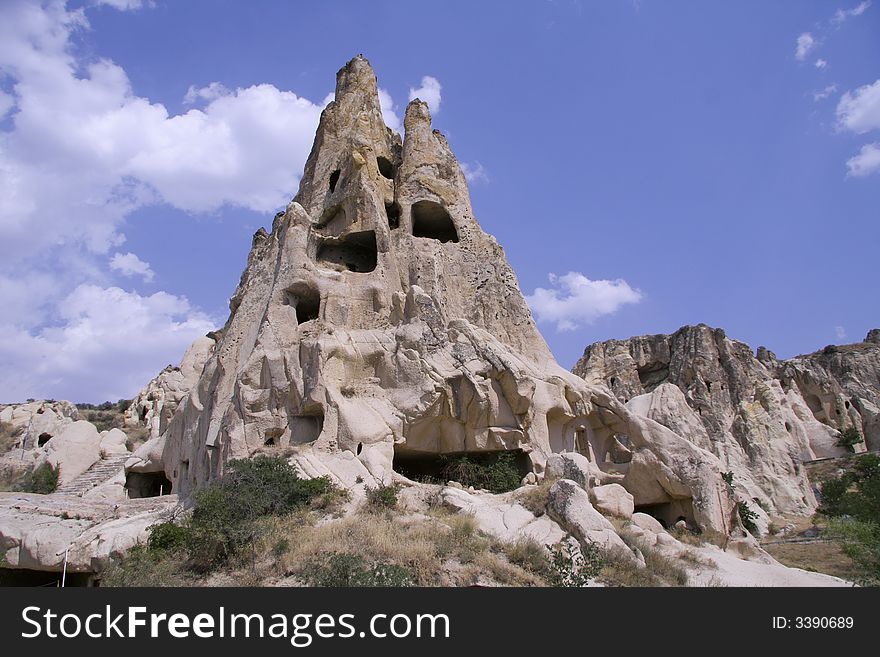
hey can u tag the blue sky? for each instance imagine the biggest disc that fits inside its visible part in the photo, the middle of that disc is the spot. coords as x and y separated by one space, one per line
644 164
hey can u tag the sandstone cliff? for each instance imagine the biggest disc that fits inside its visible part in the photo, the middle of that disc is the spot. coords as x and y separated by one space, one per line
760 416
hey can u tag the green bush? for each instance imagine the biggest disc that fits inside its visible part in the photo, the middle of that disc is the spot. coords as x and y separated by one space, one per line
747 516
572 567
852 501
347 570
43 479
728 478
223 520
167 536
383 497
495 472
850 438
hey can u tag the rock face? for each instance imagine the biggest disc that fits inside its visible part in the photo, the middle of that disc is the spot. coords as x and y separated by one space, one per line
760 416
378 319
155 404
39 421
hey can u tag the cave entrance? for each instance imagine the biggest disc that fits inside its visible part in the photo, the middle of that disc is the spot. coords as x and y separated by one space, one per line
305 300
430 219
44 578
392 211
147 484
357 252
651 376
438 468
43 438
385 167
669 513
306 428
334 178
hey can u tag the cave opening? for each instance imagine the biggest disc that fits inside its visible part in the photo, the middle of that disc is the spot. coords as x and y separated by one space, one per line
147 484
306 428
392 211
440 467
431 220
652 375
44 578
385 167
669 513
43 438
357 252
305 300
334 178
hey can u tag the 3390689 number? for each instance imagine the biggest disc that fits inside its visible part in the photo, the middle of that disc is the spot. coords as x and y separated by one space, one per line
823 622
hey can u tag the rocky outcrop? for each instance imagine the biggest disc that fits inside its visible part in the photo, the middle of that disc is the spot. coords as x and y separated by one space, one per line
38 421
377 318
760 416
154 406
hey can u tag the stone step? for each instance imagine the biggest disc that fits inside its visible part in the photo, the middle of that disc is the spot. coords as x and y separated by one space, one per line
100 472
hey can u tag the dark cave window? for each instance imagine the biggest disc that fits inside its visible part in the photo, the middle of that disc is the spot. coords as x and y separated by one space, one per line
357 252
385 167
392 211
334 178
431 220
306 301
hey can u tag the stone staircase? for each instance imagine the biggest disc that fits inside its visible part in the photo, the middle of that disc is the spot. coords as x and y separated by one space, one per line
100 472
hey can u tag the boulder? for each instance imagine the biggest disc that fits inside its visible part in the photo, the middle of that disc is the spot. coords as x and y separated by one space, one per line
569 505
113 443
74 451
612 499
646 522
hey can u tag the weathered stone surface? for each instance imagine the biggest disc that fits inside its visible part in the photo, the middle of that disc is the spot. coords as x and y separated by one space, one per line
73 451
570 506
612 499
154 406
378 319
38 421
760 416
113 443
35 530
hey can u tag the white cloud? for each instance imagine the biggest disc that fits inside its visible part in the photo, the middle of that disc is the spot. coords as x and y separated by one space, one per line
805 43
859 110
842 14
125 5
213 91
474 172
866 162
107 346
824 93
575 300
80 151
128 264
840 332
389 111
821 63
429 92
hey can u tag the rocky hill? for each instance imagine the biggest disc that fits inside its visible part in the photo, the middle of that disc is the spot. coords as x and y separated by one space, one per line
378 332
761 416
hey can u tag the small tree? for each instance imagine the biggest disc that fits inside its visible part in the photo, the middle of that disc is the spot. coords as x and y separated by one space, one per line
849 438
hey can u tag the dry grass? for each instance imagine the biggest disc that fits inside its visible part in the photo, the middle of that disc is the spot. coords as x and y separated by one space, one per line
659 570
535 498
821 557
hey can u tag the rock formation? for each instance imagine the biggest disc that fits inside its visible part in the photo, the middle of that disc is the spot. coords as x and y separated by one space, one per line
760 416
378 319
155 405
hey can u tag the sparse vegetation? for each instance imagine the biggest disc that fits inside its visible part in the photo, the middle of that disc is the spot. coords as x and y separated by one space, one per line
8 436
851 501
347 569
747 516
728 477
382 498
570 566
849 438
495 472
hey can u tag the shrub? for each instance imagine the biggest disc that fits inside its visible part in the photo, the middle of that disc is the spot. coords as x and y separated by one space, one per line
43 479
849 438
747 516
383 497
728 477
224 518
167 536
347 569
572 567
856 492
860 540
495 472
